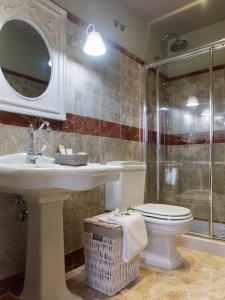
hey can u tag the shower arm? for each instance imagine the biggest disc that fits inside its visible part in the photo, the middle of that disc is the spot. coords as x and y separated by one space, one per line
164 39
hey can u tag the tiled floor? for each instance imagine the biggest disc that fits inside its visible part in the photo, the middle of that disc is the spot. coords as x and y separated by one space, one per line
202 277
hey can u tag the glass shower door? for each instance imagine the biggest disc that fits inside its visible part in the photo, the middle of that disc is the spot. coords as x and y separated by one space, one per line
183 137
218 166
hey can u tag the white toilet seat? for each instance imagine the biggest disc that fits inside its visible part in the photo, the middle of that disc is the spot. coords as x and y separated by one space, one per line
166 221
163 212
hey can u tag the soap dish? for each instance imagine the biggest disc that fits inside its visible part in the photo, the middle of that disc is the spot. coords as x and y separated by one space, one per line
71 160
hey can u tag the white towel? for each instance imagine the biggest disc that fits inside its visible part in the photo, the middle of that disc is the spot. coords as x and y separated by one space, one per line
171 176
135 237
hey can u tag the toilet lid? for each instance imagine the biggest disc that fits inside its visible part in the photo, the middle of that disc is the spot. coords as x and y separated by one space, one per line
163 211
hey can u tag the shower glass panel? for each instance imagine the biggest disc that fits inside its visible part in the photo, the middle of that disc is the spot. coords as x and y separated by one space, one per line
151 157
218 166
183 138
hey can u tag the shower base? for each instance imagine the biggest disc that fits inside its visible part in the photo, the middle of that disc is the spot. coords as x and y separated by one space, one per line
206 244
202 227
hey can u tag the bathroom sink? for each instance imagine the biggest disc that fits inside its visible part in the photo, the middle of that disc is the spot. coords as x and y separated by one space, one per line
45 186
21 158
17 176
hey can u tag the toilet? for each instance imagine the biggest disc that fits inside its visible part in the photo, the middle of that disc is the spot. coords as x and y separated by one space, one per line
163 222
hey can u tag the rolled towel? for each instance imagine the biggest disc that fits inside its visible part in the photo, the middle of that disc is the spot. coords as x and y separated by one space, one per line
135 237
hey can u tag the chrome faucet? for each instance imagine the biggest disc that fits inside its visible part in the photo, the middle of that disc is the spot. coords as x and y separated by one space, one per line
32 155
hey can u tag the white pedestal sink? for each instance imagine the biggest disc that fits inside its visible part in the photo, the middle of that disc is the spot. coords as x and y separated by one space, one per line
45 186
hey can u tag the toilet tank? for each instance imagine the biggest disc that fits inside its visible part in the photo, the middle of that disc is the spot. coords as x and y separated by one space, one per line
129 189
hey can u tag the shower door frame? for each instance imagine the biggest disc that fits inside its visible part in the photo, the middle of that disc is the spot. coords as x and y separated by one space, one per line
207 49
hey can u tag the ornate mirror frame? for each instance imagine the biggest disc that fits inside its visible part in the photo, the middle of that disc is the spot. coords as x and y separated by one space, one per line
50 21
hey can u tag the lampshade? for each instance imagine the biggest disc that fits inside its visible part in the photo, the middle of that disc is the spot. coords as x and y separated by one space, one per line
192 101
94 44
50 63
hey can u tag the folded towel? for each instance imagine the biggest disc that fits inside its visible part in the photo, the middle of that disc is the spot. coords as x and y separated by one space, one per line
134 233
171 176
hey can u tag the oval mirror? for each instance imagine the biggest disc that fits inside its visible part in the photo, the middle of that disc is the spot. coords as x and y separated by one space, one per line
24 58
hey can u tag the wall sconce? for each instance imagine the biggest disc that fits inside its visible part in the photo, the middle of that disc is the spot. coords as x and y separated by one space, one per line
94 44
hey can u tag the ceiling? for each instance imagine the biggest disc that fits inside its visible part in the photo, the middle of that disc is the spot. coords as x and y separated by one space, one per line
179 16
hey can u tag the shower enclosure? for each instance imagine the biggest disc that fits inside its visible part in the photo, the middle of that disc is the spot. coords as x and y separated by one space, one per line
186 135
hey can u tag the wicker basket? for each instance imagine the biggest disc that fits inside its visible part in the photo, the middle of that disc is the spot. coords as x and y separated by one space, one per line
105 269
71 160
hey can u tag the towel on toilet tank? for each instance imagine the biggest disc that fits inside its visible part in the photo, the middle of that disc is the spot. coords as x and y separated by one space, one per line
135 237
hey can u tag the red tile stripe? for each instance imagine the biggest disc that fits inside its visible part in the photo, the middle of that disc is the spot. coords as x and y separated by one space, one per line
77 124
95 127
186 138
74 19
192 74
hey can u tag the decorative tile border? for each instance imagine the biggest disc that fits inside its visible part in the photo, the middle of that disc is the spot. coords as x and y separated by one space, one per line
14 284
185 139
195 73
95 127
77 124
124 51
187 75
74 19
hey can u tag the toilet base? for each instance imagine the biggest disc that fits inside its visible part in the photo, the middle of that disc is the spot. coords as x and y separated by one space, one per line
161 261
162 248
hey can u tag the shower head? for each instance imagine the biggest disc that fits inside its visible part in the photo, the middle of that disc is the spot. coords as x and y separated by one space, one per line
178 45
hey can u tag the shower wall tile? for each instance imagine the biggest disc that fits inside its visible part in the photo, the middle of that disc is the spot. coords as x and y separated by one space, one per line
190 153
114 149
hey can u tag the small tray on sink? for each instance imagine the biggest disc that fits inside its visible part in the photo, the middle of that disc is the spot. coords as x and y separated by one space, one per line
71 160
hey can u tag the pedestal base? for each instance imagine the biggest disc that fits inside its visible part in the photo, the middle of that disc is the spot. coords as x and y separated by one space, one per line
45 266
